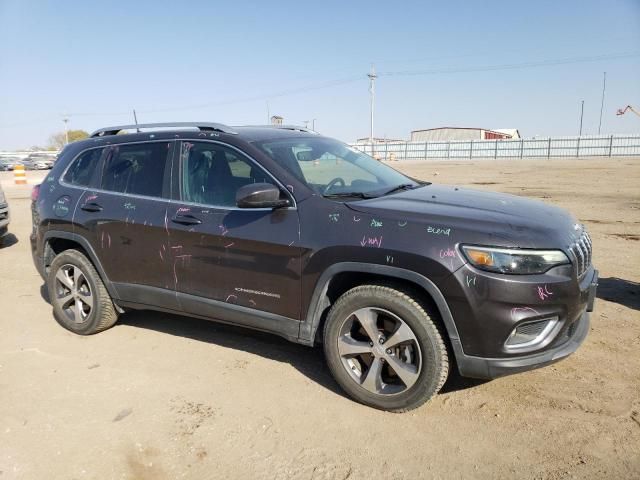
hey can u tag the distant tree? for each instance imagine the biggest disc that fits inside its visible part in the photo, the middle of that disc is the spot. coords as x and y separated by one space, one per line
58 140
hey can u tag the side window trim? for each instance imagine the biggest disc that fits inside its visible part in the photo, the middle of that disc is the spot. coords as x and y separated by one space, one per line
178 183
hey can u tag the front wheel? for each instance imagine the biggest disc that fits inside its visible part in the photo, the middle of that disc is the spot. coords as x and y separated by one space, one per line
384 349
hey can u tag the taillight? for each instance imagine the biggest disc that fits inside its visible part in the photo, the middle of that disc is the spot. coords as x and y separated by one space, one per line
35 192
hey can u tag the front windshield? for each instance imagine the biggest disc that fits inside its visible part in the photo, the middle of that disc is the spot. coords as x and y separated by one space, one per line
332 168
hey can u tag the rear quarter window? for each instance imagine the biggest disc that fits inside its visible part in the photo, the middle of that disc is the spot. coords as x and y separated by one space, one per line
81 170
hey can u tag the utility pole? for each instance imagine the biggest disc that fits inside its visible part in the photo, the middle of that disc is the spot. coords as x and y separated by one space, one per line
65 119
581 115
604 86
372 81
313 124
268 113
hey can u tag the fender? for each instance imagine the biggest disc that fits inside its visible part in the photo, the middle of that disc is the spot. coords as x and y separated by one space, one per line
319 300
113 292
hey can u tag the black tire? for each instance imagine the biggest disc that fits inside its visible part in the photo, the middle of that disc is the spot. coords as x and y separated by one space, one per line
102 313
429 374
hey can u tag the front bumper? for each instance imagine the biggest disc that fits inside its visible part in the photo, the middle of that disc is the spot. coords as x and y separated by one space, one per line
488 368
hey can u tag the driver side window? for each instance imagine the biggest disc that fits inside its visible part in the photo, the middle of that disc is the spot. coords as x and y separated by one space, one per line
213 173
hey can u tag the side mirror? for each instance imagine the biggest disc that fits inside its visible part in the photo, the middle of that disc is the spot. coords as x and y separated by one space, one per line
260 195
304 156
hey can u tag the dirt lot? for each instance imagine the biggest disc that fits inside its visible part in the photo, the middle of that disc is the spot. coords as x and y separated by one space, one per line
162 397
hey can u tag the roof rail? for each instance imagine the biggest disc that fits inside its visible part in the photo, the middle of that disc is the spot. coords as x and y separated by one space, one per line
295 127
202 126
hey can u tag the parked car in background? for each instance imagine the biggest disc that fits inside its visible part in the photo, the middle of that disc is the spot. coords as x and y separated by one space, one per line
4 216
8 163
37 163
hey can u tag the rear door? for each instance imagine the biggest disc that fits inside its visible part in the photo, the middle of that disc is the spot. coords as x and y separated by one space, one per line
125 218
246 257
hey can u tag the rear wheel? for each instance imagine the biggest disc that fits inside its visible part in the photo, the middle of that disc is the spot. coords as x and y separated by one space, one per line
79 298
384 349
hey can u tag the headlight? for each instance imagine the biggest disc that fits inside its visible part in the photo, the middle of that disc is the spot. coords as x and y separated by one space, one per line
506 260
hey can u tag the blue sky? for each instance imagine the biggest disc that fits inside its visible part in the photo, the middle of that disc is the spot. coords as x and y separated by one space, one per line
223 61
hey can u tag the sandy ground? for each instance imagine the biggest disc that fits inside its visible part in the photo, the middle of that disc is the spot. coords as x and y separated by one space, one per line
162 397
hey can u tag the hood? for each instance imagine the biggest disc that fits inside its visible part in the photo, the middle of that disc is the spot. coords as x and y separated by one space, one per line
508 220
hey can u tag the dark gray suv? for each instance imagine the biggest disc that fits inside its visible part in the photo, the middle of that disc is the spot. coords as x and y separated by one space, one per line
283 230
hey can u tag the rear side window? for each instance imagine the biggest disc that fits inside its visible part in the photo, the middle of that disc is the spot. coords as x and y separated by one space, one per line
81 170
138 169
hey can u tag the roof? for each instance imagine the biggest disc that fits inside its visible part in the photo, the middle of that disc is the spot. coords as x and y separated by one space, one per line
248 133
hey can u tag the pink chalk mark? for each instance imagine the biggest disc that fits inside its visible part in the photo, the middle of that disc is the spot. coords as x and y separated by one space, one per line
371 241
516 310
543 293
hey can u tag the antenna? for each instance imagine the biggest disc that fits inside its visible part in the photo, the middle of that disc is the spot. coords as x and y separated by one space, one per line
135 119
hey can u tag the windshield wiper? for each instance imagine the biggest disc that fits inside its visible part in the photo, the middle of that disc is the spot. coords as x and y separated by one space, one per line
349 195
397 188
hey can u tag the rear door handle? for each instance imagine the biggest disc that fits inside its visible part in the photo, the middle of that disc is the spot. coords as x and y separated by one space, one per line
186 220
91 207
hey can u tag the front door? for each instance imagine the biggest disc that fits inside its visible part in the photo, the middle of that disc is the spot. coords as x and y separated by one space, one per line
245 257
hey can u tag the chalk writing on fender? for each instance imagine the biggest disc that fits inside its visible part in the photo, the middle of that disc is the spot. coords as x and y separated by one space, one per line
371 241
447 253
438 231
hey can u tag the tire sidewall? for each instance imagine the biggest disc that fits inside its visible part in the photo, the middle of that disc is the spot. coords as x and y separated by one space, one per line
427 335
80 261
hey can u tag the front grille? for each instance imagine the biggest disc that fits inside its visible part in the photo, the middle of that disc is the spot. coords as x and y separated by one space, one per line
581 251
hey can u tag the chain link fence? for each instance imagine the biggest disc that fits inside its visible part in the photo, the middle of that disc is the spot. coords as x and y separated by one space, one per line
551 147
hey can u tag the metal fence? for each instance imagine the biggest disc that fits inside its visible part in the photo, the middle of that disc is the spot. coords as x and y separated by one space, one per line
551 147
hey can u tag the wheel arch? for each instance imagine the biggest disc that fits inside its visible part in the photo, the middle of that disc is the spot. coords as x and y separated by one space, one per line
355 272
58 241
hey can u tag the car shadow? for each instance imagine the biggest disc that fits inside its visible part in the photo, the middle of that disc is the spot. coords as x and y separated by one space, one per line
308 361
8 240
620 291
456 383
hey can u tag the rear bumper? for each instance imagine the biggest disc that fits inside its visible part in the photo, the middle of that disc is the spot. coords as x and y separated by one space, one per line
488 368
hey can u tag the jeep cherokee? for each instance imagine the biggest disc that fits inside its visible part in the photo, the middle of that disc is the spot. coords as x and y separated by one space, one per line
286 231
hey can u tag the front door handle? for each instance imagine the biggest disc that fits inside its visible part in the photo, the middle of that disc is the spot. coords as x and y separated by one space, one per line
186 220
91 207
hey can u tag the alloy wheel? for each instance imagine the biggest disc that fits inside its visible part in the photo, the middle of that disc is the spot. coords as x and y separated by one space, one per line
73 293
379 351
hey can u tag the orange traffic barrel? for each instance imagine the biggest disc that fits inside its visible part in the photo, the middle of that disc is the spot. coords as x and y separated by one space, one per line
19 175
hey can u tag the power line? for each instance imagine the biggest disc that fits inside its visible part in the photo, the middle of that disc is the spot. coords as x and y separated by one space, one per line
512 66
360 77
